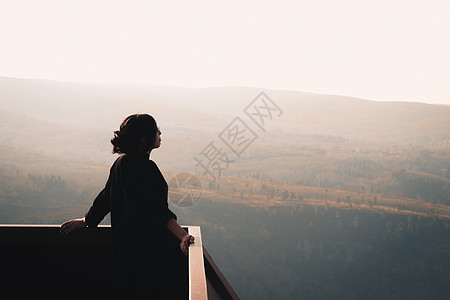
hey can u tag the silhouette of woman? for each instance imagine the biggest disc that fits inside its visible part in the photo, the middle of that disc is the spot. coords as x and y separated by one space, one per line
136 197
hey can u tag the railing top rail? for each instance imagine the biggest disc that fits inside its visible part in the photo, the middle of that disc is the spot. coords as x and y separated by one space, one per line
197 276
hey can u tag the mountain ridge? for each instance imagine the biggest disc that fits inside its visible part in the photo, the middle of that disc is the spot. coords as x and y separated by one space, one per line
90 112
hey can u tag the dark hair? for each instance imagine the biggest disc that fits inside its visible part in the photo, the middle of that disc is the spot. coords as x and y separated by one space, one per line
137 134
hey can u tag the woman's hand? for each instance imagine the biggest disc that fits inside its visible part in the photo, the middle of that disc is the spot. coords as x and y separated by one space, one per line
75 224
179 232
185 242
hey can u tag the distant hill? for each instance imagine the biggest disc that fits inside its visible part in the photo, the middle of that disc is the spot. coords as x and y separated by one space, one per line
74 121
77 109
336 198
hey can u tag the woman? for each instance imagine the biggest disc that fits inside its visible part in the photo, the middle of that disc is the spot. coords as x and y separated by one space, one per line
136 196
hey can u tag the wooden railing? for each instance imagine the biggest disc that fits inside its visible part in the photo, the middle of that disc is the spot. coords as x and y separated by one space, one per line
36 260
196 267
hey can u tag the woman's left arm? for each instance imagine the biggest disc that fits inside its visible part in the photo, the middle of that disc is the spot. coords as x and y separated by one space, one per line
185 238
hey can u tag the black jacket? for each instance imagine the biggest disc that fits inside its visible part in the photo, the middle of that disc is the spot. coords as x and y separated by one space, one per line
136 196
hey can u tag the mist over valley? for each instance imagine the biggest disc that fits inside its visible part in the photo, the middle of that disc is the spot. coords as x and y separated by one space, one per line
333 197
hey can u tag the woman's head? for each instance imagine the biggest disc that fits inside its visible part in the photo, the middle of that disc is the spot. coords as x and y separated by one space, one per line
137 134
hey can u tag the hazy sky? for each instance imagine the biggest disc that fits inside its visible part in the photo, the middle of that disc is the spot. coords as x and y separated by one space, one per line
378 50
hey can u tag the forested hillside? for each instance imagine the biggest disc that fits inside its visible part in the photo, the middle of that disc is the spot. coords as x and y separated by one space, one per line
315 252
334 198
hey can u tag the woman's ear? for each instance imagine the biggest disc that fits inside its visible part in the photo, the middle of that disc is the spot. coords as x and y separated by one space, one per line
143 145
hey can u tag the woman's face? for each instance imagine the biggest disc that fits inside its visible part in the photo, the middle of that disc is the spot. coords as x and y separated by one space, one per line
157 139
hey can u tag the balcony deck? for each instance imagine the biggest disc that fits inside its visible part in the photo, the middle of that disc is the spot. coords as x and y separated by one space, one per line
39 262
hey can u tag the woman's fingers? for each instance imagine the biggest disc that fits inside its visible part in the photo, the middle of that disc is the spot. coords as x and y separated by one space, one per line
66 228
71 225
184 245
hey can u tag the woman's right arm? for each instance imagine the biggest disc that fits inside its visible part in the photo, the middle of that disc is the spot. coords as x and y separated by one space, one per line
99 209
71 225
